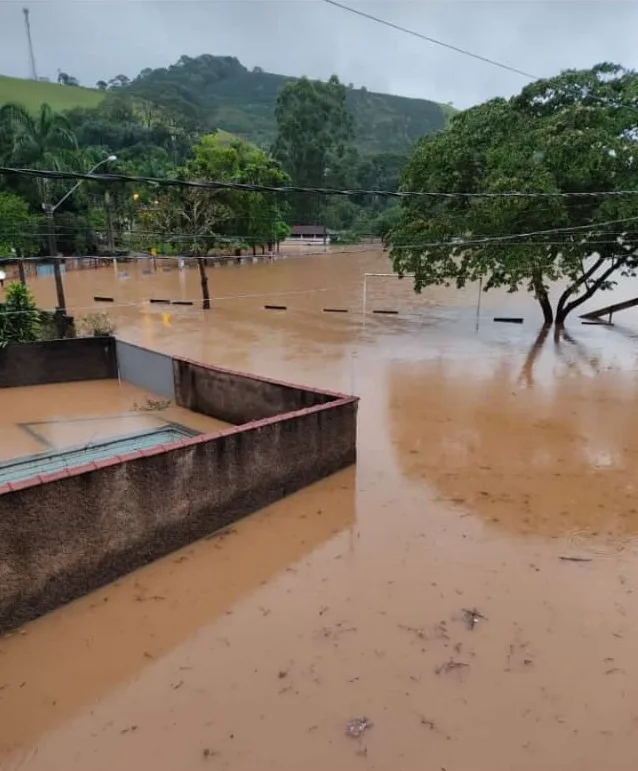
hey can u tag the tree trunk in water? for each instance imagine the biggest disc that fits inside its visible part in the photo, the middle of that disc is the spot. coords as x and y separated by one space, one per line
560 318
263 249
254 250
21 273
546 306
541 295
565 308
204 281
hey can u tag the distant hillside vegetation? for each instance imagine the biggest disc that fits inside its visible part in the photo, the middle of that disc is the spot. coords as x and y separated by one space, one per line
33 93
219 92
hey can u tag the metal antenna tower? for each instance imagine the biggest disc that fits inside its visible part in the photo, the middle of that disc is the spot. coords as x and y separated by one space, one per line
34 73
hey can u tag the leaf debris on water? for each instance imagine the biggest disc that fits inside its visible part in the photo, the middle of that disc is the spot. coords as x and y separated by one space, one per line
358 726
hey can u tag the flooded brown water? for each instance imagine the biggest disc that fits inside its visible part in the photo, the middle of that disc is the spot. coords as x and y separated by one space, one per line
483 461
39 419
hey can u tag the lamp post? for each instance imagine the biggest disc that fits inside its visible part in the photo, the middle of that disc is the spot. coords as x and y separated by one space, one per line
326 171
53 248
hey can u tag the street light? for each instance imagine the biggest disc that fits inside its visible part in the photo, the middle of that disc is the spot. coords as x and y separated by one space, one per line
326 171
53 249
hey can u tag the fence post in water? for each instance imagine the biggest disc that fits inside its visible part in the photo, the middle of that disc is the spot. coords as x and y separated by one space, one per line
204 281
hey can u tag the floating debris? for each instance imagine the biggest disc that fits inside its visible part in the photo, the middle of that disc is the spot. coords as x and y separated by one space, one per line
357 727
450 665
152 405
472 617
576 559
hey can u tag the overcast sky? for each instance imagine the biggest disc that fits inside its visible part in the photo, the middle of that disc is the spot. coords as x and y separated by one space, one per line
94 39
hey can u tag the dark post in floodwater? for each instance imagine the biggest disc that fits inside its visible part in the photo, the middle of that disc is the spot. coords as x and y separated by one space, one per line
201 264
60 311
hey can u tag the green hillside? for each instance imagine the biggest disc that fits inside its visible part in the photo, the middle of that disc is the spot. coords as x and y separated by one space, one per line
33 93
219 92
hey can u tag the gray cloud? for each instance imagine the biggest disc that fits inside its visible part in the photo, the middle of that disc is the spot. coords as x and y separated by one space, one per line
95 39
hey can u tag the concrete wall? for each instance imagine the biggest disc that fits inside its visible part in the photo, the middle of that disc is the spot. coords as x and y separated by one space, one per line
235 397
58 361
146 369
65 534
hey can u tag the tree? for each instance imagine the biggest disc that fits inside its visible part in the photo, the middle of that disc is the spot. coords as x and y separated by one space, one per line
313 127
64 79
119 81
190 217
195 219
257 217
17 226
102 85
43 141
574 133
20 319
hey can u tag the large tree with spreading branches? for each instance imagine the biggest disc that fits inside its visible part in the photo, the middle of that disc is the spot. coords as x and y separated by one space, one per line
571 139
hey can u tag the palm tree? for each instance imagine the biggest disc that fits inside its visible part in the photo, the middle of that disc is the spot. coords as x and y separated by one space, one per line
42 141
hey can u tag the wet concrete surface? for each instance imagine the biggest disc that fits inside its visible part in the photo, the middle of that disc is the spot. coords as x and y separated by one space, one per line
496 475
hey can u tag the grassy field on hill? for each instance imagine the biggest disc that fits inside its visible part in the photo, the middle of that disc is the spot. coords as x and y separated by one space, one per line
33 93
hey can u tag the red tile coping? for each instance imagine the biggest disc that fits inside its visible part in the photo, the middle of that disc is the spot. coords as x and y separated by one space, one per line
338 399
42 479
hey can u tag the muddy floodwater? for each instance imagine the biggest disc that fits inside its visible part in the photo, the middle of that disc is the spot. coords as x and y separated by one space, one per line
470 588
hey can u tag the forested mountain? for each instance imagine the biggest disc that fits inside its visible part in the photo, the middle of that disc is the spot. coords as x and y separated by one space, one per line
219 92
207 117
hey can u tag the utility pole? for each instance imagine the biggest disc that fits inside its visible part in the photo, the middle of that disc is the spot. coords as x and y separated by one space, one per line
27 23
57 267
50 210
109 223
325 207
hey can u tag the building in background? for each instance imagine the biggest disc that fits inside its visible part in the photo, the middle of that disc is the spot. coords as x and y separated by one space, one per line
311 234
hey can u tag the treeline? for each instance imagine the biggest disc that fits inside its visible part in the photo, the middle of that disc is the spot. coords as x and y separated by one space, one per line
98 219
315 145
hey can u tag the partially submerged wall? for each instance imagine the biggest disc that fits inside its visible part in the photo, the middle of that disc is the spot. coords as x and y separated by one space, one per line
58 361
65 534
235 397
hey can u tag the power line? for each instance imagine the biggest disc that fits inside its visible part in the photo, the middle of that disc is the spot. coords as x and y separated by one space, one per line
462 51
428 39
507 240
195 300
254 188
551 231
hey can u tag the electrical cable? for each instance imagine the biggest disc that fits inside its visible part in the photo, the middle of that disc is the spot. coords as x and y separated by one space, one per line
428 39
216 185
196 300
452 47
362 249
